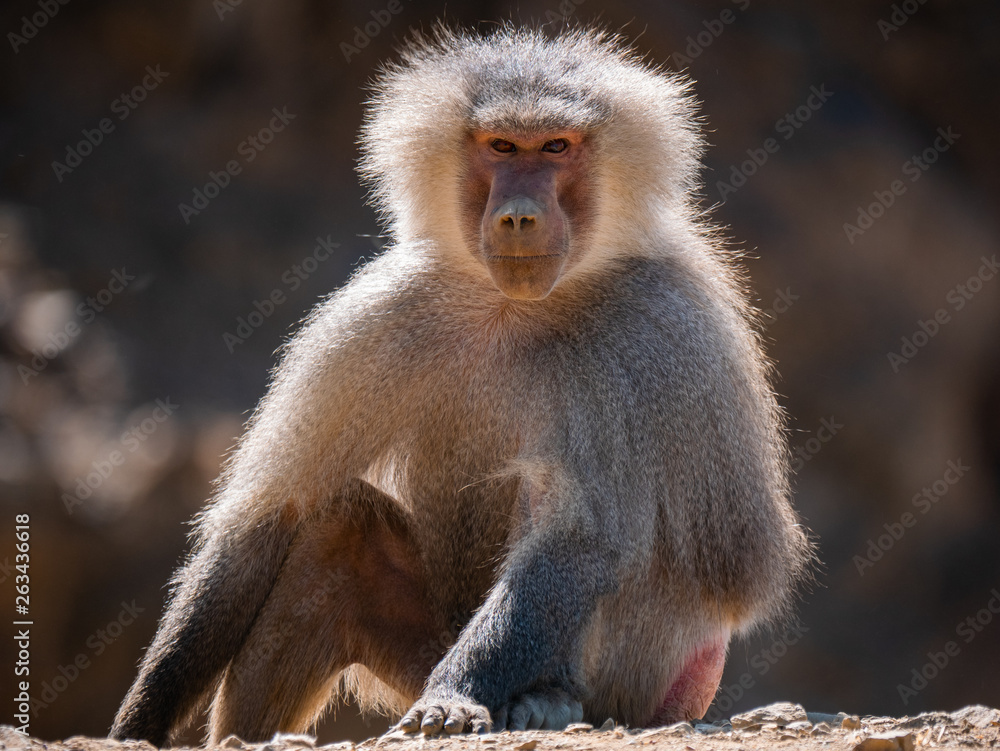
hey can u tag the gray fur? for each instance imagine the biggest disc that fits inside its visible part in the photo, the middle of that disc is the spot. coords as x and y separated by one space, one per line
600 476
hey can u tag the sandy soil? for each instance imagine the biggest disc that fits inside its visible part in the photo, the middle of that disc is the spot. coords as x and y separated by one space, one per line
782 726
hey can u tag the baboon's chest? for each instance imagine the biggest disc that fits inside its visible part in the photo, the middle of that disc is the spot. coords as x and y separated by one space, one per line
462 414
459 488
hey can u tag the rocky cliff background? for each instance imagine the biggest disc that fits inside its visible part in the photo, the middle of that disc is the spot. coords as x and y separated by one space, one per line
854 157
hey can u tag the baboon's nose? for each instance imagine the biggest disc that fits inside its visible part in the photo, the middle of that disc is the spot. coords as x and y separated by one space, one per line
518 215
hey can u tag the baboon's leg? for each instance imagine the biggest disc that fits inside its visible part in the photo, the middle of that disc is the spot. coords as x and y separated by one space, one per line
350 591
218 594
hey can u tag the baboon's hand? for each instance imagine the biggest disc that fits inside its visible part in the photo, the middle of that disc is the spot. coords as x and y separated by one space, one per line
453 713
548 710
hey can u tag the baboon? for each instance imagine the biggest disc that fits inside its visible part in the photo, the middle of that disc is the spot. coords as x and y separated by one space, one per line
526 467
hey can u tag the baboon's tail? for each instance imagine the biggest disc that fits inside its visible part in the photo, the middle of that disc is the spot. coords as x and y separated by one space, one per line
217 597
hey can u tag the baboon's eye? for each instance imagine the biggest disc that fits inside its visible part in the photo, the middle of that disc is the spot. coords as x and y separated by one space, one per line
503 147
555 146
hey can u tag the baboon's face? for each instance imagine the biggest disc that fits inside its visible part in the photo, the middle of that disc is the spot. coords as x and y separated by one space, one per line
526 201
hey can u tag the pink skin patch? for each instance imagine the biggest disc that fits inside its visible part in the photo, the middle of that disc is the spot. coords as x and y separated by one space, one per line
694 688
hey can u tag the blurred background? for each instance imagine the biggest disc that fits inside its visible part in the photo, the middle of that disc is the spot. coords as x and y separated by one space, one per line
144 288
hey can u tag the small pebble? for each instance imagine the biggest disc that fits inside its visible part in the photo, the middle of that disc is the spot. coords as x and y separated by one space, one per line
780 714
891 741
609 724
832 720
678 728
579 727
296 739
978 716
708 729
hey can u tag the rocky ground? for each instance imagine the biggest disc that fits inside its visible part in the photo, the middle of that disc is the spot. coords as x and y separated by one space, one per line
784 726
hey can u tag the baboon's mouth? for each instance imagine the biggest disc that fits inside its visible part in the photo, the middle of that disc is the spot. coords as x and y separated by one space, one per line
518 257
525 277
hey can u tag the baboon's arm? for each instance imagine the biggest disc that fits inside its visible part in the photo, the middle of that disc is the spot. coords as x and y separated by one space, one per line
525 639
